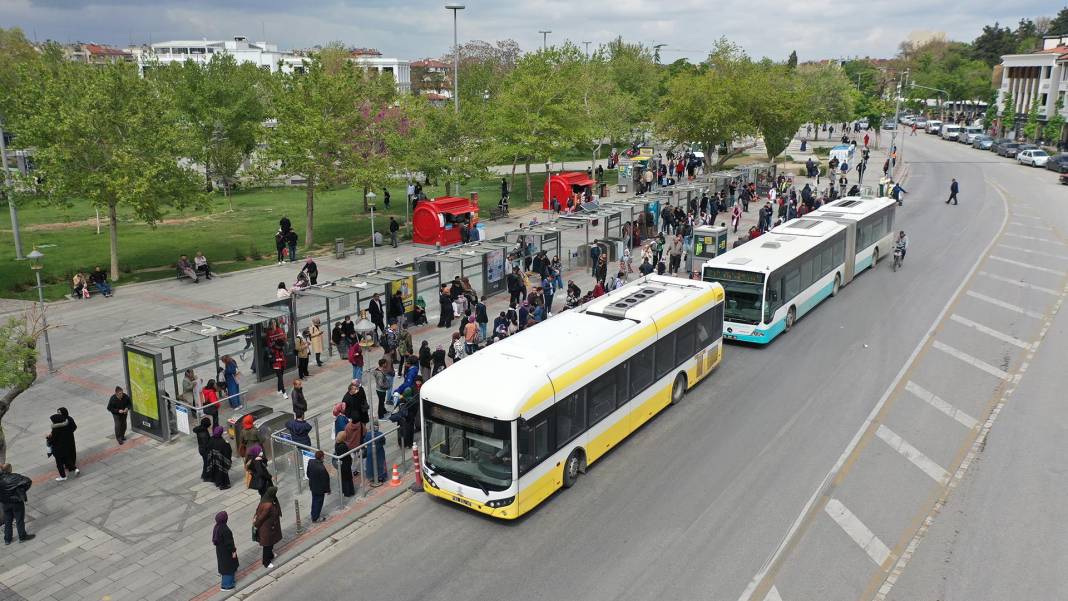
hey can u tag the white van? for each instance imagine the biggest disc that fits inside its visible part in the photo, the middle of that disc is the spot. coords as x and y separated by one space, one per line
934 126
951 132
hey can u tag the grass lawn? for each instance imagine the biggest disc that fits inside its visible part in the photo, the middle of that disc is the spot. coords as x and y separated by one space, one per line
231 240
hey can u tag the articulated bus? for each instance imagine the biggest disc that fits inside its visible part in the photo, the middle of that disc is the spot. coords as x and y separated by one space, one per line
772 281
869 229
507 426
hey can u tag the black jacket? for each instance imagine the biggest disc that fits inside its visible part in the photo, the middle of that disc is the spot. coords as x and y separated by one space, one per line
375 309
115 404
480 313
203 434
224 551
300 404
318 478
13 488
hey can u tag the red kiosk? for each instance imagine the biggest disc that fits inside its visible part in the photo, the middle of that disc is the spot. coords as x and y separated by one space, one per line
565 185
438 222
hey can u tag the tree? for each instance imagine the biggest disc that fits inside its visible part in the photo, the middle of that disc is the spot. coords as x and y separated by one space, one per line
636 74
107 135
780 101
1054 130
603 107
1027 36
1059 24
1032 127
711 107
1008 117
833 101
221 104
992 43
18 362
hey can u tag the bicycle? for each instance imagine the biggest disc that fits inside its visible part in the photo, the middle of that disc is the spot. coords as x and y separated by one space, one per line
899 257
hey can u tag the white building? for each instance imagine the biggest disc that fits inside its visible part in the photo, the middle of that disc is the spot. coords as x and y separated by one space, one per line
1041 75
264 55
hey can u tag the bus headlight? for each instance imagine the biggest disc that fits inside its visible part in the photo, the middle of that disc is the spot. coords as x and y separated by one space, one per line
429 480
758 333
498 503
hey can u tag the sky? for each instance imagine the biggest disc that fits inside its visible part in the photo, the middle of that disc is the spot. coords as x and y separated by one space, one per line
413 29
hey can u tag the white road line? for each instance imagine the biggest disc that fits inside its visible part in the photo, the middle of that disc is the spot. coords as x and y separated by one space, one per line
974 362
914 455
1034 238
938 403
991 332
1033 252
1019 283
773 594
1028 265
1026 216
1004 305
1034 227
861 534
779 552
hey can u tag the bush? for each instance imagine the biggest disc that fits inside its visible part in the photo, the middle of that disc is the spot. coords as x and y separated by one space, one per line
822 151
253 252
238 255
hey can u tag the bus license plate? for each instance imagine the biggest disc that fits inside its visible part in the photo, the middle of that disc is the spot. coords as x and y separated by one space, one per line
462 501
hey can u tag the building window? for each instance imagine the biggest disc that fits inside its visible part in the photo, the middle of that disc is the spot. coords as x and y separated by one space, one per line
1049 71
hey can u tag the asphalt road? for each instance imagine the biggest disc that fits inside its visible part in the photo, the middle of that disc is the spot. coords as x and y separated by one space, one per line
804 470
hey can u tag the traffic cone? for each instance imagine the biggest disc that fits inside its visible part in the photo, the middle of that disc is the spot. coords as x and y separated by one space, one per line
395 479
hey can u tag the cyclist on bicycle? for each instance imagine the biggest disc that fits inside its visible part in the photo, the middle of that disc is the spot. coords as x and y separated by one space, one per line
901 244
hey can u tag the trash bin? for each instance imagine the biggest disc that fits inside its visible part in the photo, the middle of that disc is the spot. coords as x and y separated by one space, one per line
621 188
603 193
339 248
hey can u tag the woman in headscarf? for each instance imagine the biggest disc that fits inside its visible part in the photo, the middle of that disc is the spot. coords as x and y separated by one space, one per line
345 466
315 333
61 439
233 389
249 436
268 524
353 435
225 551
256 465
211 402
203 434
340 419
220 455
355 400
438 358
426 359
376 453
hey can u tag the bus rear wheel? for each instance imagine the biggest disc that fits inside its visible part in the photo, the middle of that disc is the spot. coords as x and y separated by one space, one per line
572 468
874 257
837 285
678 389
791 317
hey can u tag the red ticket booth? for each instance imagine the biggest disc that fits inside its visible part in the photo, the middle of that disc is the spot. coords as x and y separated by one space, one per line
564 185
438 222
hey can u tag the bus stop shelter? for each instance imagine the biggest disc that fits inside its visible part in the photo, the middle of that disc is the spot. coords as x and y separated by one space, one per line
526 241
156 361
483 263
606 223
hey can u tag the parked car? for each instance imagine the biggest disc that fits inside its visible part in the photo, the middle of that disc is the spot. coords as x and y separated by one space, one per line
889 125
982 142
934 127
968 133
1058 163
908 120
950 132
863 123
920 123
1035 157
1009 149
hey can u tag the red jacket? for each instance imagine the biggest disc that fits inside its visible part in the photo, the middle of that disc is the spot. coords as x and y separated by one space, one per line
356 355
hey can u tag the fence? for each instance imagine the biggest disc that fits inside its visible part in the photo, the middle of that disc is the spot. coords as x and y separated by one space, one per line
184 416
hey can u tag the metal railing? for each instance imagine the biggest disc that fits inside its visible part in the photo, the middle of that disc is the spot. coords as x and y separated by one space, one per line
187 415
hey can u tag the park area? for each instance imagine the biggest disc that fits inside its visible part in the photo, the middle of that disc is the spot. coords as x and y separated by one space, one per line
232 240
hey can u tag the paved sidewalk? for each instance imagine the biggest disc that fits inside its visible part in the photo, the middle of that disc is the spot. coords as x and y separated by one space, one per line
136 524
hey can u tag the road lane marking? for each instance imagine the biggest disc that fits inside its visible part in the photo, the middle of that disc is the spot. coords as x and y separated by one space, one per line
1028 265
974 362
1034 227
1033 252
817 501
991 332
1004 305
773 594
938 403
914 455
1026 216
1034 238
861 534
1019 283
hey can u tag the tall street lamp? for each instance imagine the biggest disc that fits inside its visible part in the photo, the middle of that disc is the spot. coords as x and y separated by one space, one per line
455 8
37 264
545 38
371 205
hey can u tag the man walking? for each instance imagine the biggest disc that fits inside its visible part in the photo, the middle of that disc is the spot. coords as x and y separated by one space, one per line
954 188
119 405
319 484
394 227
13 489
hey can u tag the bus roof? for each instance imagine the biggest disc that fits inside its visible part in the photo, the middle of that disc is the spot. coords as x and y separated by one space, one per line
852 207
509 377
777 247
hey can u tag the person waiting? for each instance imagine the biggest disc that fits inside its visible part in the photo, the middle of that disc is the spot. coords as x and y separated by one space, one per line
201 264
185 269
99 278
79 287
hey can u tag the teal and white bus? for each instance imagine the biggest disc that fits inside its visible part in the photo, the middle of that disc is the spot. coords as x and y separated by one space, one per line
869 226
772 281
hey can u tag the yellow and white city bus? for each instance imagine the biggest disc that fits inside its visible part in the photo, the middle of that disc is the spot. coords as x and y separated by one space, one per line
506 427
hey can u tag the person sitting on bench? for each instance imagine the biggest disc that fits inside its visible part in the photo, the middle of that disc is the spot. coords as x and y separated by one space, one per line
99 278
201 264
185 268
79 287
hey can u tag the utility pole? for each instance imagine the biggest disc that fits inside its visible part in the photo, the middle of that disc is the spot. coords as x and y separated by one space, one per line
10 200
545 38
901 86
587 49
455 8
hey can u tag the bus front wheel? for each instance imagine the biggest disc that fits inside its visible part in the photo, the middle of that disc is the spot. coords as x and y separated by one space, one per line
837 285
791 317
874 257
572 468
678 389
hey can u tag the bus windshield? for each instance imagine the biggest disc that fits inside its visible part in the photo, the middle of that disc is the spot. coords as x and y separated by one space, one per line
744 291
468 449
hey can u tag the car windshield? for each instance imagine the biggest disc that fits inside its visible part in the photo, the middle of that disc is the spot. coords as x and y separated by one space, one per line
744 291
472 450
1039 153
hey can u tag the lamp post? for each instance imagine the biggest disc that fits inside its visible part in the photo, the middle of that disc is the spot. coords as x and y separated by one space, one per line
371 205
365 331
941 109
545 38
901 87
36 264
455 8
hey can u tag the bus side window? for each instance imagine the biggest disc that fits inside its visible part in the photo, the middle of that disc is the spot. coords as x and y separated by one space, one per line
791 285
773 300
536 440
